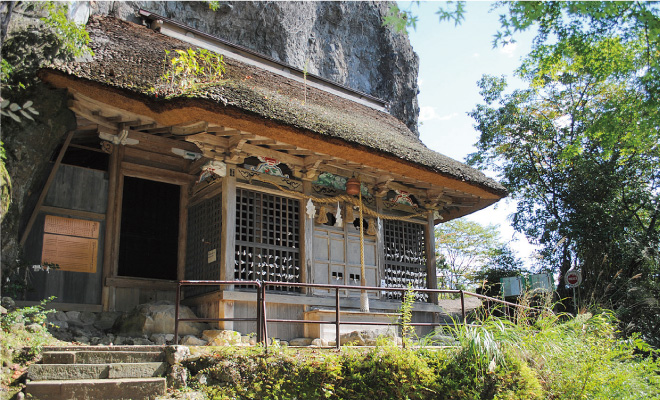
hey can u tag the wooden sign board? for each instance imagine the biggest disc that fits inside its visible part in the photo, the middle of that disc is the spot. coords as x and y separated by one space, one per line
72 244
71 227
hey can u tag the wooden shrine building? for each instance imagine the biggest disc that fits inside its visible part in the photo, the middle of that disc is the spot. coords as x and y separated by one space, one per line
240 180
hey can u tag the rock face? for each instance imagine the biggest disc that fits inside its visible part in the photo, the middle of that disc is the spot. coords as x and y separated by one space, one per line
344 42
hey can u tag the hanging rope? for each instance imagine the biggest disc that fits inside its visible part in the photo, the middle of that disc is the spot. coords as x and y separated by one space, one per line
364 298
341 197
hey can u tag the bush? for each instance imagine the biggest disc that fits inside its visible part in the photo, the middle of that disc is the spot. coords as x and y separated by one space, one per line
542 356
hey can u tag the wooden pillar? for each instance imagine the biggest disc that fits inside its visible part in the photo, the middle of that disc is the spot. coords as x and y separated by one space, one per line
306 240
113 214
228 243
184 197
228 234
431 273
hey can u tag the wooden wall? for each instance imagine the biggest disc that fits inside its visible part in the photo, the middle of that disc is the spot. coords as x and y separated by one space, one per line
78 193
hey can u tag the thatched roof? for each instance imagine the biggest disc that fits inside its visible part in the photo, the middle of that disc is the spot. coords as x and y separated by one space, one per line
130 58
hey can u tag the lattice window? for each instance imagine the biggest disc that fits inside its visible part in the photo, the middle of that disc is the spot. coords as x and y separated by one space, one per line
267 238
203 245
405 257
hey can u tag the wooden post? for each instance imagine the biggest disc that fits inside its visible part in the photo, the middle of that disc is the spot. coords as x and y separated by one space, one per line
431 273
183 231
113 178
307 240
44 191
117 203
228 234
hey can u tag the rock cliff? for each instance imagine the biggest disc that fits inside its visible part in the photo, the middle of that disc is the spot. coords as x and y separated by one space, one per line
344 42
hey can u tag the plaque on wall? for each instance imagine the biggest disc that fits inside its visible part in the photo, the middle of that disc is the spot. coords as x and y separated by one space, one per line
70 243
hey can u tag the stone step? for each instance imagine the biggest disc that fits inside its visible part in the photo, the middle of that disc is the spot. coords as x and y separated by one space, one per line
105 348
101 357
47 372
98 389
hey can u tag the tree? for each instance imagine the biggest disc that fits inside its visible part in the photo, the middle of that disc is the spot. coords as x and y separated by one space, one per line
465 248
579 149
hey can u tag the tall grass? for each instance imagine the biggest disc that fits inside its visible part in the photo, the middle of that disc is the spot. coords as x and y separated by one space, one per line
573 357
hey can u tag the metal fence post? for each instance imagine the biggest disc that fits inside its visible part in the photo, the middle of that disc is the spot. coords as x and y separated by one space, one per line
264 317
176 312
337 323
463 306
260 336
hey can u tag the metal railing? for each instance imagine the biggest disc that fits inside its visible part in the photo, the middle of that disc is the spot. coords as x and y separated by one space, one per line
262 319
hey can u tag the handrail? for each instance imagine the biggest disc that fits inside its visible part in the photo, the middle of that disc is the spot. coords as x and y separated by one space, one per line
262 320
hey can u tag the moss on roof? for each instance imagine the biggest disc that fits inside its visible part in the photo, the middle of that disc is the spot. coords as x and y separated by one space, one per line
130 57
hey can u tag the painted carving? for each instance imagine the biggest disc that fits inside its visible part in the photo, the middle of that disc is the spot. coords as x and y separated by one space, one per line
268 166
212 169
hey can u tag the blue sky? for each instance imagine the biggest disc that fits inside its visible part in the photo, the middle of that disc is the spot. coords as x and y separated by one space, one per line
452 60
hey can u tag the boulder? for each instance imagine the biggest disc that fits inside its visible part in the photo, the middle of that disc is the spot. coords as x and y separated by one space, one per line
8 303
161 338
191 340
318 342
105 320
177 376
158 317
87 317
221 338
300 342
72 315
367 337
176 354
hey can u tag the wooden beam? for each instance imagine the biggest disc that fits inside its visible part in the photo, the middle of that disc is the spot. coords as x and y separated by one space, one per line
145 283
170 162
281 157
208 139
155 174
44 191
153 143
190 128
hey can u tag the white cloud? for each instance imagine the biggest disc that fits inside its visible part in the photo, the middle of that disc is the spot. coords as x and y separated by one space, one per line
476 55
428 113
508 49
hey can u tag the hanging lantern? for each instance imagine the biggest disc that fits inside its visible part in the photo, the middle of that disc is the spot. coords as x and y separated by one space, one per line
352 186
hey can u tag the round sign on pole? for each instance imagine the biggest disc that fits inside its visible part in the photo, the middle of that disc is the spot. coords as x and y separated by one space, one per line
573 278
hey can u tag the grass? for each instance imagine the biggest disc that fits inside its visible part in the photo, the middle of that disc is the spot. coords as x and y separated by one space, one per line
23 335
534 357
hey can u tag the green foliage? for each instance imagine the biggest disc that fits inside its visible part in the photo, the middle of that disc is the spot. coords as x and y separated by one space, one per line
214 5
74 38
579 148
541 356
400 20
189 70
13 326
407 303
465 249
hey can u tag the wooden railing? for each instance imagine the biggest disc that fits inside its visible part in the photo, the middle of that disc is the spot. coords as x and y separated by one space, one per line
262 319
